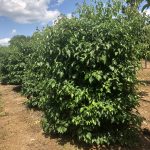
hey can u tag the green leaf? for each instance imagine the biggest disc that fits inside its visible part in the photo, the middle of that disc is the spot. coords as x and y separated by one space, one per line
103 58
91 79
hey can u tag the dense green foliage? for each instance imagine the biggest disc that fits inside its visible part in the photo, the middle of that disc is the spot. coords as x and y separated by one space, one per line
12 66
146 52
146 6
136 3
82 73
5 52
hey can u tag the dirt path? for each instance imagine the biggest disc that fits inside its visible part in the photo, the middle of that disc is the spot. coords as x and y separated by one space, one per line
144 89
20 128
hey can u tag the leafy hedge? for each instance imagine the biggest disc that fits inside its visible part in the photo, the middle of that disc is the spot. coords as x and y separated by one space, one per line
4 53
146 53
12 69
82 73
13 64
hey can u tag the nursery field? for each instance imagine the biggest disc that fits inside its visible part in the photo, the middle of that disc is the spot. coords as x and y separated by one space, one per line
20 127
78 87
81 73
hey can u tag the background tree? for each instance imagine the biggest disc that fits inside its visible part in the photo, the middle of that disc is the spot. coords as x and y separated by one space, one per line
12 68
133 3
18 41
146 6
4 53
136 3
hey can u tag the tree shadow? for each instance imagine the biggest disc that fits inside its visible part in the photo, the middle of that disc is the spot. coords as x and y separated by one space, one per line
145 100
144 140
147 82
142 94
146 132
17 88
68 139
144 136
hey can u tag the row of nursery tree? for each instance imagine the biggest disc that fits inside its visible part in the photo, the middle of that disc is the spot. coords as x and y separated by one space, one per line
81 72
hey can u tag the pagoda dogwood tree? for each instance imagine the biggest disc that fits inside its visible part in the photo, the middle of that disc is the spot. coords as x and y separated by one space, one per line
83 74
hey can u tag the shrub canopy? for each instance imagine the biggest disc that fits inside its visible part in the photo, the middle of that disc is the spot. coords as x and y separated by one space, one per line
82 73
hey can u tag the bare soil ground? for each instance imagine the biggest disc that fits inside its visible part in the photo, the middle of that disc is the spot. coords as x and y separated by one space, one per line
20 127
144 109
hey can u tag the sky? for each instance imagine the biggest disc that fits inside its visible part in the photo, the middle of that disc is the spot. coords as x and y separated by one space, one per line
22 17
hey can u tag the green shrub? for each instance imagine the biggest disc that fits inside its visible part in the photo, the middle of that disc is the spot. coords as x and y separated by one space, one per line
13 65
12 69
4 53
82 74
146 52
